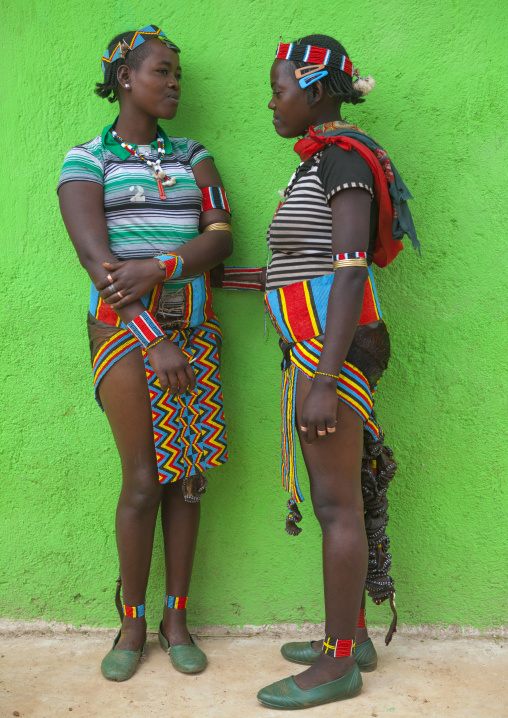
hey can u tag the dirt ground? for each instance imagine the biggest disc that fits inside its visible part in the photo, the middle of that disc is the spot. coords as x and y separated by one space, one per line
54 671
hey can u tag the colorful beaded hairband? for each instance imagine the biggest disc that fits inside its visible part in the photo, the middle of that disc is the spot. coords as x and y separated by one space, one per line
125 45
133 611
215 198
320 57
175 601
338 648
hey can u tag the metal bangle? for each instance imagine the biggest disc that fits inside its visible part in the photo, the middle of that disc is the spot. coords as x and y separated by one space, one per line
223 226
349 263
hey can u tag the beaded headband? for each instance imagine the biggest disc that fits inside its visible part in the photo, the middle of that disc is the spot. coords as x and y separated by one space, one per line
314 55
133 40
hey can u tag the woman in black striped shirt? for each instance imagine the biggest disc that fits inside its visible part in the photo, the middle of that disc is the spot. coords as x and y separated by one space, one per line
336 346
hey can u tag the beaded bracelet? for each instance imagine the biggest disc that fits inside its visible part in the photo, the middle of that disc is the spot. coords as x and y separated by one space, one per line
155 342
145 329
349 259
246 278
172 264
324 373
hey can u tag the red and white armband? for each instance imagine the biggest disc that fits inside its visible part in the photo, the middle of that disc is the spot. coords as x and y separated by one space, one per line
146 329
215 198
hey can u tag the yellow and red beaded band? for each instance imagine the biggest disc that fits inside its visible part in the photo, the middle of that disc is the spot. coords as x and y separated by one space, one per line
338 648
173 264
175 601
134 611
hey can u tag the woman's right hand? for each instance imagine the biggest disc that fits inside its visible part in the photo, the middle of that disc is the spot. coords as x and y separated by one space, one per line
173 370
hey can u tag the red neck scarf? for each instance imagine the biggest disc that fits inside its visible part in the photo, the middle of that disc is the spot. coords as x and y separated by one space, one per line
317 138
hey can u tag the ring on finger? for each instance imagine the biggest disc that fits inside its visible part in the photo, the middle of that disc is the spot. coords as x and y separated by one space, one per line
321 432
303 428
110 278
330 429
112 288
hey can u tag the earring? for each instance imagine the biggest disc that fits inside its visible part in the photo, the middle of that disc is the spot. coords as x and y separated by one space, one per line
127 84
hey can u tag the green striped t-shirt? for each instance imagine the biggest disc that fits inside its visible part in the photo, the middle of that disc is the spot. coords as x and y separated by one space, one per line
140 223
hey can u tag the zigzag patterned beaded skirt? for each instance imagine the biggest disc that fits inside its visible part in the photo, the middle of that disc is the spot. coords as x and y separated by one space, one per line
189 430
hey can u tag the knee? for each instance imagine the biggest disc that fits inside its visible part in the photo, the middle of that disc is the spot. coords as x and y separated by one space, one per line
141 493
346 510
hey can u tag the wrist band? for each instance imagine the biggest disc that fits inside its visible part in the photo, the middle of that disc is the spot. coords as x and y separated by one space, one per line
133 611
145 329
172 263
338 648
218 225
324 373
175 601
246 278
215 198
155 342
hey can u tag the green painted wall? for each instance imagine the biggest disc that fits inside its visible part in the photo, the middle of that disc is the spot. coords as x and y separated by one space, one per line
440 109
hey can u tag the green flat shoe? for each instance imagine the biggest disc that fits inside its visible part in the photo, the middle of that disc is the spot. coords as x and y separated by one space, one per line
186 659
285 694
120 665
303 653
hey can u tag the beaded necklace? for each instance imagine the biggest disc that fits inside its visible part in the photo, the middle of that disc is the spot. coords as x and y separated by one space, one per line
162 178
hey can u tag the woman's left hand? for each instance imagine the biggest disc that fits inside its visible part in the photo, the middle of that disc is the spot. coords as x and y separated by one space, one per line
319 410
127 281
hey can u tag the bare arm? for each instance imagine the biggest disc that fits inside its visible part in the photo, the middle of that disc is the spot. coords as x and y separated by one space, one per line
350 233
135 278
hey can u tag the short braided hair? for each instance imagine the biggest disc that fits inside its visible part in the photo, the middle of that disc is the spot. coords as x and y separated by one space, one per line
337 84
133 59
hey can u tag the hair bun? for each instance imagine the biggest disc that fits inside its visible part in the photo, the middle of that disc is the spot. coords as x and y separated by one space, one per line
364 84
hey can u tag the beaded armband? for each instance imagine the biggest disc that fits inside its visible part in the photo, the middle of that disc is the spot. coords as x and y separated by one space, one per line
172 263
134 611
361 619
338 648
349 259
145 329
215 198
175 601
246 278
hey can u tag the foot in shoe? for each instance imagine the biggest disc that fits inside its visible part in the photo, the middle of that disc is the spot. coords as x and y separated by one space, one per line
174 627
324 670
133 634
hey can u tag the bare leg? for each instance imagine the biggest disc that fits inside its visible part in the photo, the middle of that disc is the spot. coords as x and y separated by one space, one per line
334 466
124 394
180 523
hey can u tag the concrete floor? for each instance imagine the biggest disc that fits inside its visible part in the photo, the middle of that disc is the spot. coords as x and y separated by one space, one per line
55 672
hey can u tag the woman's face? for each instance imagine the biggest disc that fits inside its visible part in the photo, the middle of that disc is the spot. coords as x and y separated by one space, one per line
292 116
155 86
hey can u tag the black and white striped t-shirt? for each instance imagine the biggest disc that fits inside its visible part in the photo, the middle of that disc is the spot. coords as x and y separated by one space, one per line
300 235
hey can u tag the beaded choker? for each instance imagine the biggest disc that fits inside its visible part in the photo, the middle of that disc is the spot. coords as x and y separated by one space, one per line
162 178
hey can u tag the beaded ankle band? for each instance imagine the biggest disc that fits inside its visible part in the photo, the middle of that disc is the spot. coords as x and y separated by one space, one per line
361 619
145 329
215 198
175 601
133 611
172 264
338 648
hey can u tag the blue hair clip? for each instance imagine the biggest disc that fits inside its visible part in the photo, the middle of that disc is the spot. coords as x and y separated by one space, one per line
304 82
